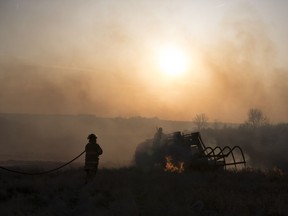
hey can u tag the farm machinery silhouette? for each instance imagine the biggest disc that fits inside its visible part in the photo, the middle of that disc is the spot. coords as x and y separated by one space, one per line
177 152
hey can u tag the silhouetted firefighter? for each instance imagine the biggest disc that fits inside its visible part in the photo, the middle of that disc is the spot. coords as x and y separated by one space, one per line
158 137
93 150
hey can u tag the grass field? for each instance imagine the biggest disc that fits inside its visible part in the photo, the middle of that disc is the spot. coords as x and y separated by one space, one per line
130 191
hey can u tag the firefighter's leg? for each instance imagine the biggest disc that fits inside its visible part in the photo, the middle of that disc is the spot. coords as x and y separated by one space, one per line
88 176
93 172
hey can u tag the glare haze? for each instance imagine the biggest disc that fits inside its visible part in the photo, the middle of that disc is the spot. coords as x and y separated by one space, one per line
104 58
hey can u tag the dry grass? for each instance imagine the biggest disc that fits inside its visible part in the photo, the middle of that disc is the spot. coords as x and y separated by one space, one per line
129 191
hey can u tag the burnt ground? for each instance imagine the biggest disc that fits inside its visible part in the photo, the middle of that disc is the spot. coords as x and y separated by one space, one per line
130 191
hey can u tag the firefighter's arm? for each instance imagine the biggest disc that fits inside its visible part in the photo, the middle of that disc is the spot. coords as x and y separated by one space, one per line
100 151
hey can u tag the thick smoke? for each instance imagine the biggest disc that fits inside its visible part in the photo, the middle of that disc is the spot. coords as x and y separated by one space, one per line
243 72
164 148
264 148
27 88
95 58
62 137
101 63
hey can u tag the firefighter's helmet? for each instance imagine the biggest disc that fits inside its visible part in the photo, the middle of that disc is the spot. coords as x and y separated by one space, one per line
92 136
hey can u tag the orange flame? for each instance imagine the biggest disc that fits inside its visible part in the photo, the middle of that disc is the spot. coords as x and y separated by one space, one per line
170 167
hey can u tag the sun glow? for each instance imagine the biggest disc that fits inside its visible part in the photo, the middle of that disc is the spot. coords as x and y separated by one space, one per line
172 61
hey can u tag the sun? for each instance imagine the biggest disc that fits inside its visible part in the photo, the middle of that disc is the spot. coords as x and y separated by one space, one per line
172 61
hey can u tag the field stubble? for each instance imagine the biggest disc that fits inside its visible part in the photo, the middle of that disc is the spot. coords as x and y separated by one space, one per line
130 191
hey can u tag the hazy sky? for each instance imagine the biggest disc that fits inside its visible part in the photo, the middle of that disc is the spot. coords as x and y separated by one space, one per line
109 58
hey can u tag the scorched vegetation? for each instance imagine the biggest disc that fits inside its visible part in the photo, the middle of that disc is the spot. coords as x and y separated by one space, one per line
131 191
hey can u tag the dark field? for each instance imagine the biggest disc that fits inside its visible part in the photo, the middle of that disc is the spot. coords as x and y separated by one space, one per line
130 191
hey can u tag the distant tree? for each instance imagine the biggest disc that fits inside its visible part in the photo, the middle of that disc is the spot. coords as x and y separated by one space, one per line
256 118
200 120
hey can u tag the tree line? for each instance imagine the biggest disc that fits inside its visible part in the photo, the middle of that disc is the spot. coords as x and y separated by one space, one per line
255 119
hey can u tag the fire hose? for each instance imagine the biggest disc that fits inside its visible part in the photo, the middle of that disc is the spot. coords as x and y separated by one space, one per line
43 172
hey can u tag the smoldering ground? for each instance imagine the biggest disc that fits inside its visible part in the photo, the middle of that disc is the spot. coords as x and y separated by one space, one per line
130 191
